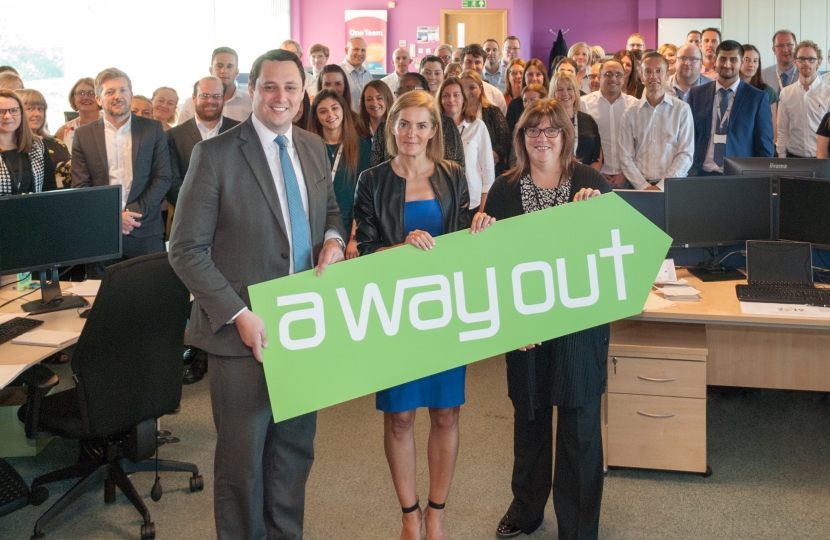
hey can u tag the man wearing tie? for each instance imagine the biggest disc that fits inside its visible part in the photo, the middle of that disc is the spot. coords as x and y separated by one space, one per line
257 204
732 118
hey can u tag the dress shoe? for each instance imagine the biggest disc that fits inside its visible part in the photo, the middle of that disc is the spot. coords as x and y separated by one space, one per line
197 369
508 528
189 355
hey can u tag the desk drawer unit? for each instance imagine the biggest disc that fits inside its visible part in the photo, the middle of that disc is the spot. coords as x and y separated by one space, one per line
654 377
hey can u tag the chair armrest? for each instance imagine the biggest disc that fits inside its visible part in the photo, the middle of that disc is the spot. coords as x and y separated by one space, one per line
38 376
39 380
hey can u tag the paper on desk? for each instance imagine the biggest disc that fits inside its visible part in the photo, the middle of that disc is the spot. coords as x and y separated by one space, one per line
675 283
667 272
785 310
10 373
85 288
46 338
654 302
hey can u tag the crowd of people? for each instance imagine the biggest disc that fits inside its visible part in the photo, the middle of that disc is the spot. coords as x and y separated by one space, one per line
472 136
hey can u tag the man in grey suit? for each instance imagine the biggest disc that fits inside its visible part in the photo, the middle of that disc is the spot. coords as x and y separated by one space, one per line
257 204
121 148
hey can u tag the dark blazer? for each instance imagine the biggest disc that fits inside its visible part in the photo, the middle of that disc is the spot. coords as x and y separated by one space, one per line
180 141
453 147
578 366
229 231
500 135
151 168
381 198
750 123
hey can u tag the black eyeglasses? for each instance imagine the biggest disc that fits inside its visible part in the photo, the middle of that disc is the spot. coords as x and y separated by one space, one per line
550 133
215 97
82 93
14 111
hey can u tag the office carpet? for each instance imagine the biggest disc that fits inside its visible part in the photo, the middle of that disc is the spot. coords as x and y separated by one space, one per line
768 449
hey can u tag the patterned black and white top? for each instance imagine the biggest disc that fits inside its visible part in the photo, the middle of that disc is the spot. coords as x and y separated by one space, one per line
535 198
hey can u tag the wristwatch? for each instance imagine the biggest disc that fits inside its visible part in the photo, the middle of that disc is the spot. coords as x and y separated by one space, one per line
339 241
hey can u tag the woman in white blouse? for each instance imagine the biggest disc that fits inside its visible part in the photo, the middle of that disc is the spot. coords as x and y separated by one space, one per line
478 152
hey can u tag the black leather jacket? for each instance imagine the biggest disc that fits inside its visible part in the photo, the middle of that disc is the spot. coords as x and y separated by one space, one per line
381 196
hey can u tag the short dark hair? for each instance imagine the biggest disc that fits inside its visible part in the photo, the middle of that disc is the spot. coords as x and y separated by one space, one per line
421 80
473 49
790 32
491 39
730 45
224 50
690 32
715 30
430 58
656 54
511 37
275 55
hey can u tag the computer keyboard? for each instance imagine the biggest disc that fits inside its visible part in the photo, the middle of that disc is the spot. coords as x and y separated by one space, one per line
778 294
19 325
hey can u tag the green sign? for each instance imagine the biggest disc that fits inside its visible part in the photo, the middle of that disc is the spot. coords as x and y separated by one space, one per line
377 321
473 3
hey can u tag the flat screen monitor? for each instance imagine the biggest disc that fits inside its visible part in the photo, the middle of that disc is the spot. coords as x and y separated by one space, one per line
804 210
42 231
777 167
712 211
651 204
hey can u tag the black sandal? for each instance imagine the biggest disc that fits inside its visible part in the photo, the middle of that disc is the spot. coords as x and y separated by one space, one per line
414 507
435 505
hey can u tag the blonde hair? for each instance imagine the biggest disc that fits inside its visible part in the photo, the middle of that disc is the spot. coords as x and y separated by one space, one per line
571 81
9 78
175 115
23 134
416 98
319 48
508 86
33 97
475 76
532 117
582 45
451 67
109 74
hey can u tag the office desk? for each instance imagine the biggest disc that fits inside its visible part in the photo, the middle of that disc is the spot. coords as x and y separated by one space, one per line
750 350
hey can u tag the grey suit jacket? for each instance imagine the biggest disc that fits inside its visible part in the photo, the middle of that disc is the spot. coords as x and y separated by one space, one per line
151 168
180 142
229 231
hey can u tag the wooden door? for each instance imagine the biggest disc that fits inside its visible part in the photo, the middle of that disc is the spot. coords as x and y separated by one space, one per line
478 25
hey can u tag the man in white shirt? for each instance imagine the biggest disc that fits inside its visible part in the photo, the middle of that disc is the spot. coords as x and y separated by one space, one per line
687 75
606 107
494 69
473 58
319 56
444 52
401 60
710 38
636 42
224 63
802 105
355 70
784 72
657 133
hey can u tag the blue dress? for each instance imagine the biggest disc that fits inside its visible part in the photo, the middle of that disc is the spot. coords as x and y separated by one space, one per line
442 390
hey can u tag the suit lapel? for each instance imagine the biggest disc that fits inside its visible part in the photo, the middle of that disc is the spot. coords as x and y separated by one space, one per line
137 135
255 156
193 135
740 94
101 144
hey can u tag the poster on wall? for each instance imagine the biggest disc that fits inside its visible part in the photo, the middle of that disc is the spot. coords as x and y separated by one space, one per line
427 40
371 26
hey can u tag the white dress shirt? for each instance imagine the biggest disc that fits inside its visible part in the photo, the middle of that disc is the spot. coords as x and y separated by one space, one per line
656 142
119 144
497 79
495 96
772 76
799 115
392 80
608 117
674 90
311 84
478 158
238 107
709 164
826 78
358 77
206 132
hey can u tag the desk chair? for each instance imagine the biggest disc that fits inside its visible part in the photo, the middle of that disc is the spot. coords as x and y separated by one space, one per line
127 371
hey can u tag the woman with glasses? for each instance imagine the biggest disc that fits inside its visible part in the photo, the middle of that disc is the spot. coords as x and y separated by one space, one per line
568 372
82 100
514 81
403 203
34 105
25 166
751 74
587 145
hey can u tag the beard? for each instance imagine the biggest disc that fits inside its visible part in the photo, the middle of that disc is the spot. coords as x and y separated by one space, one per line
208 114
117 114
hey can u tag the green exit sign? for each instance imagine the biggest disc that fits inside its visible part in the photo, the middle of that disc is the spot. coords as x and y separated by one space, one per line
473 3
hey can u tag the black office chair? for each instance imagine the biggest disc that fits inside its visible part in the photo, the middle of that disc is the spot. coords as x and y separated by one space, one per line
127 371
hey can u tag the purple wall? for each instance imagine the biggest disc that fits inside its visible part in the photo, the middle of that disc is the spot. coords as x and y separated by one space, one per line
607 23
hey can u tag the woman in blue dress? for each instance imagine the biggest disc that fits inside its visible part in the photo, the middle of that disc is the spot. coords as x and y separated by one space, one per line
409 200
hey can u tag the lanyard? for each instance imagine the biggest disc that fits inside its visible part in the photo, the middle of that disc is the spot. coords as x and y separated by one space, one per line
725 120
336 161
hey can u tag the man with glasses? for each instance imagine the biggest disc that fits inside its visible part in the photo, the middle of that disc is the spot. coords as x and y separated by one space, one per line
656 133
783 73
606 107
636 42
494 69
802 105
224 64
732 118
687 75
355 70
444 52
208 122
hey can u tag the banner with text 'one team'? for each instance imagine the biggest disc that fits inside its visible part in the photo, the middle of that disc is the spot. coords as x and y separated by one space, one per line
391 317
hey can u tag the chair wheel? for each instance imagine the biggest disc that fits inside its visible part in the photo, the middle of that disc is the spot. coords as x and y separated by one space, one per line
148 531
708 472
38 496
197 483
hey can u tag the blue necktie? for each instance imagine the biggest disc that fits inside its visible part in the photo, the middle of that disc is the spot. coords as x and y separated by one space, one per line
300 237
722 126
784 80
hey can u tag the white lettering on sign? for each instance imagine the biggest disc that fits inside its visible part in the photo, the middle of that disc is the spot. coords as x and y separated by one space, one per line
518 299
617 251
491 315
314 313
362 33
585 301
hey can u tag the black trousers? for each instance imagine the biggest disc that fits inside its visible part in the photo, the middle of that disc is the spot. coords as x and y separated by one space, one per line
578 478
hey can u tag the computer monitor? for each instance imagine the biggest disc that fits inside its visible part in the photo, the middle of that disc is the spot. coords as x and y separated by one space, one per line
804 210
651 204
713 211
777 167
42 231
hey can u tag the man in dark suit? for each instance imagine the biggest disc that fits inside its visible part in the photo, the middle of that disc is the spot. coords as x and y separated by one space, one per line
121 148
732 118
206 124
257 204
